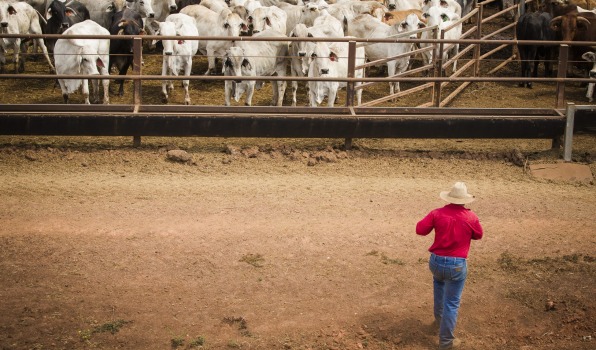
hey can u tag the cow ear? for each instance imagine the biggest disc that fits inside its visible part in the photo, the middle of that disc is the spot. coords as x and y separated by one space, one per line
333 56
70 12
99 63
110 8
12 10
180 42
444 3
589 56
246 64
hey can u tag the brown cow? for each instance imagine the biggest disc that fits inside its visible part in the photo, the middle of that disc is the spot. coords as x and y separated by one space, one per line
576 26
393 17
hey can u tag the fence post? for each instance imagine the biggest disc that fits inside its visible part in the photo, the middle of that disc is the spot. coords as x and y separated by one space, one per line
479 16
562 73
137 63
350 85
351 66
438 62
568 144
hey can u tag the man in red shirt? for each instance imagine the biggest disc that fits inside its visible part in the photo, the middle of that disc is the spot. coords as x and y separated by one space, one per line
455 226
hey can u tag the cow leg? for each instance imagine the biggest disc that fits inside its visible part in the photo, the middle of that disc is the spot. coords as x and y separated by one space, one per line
95 85
85 88
311 94
332 96
210 60
250 90
228 91
391 72
105 85
123 71
164 83
282 91
17 57
186 83
590 92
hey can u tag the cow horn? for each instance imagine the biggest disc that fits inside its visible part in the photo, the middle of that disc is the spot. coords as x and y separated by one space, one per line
555 23
583 20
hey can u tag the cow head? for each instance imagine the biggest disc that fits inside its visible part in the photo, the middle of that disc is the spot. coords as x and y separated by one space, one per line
322 58
569 25
410 24
236 64
6 10
309 13
231 22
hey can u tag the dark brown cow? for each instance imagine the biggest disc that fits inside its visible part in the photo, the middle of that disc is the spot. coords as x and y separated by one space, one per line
576 26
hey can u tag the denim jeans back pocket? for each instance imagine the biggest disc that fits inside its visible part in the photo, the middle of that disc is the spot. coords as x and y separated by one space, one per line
458 272
437 270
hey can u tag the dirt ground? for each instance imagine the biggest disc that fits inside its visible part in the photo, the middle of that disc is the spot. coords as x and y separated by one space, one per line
287 244
284 244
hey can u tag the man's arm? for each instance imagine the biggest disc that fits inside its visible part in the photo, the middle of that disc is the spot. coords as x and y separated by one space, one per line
424 226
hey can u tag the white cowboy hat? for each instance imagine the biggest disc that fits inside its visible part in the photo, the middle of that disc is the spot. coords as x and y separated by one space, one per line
458 194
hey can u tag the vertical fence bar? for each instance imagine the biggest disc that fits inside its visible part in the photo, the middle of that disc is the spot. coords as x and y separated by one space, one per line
137 62
479 16
351 66
438 58
350 85
568 144
562 73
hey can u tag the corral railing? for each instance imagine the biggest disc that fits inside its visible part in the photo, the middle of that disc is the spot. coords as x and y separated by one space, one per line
425 120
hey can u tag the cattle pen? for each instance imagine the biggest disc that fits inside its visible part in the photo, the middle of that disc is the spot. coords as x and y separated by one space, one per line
418 114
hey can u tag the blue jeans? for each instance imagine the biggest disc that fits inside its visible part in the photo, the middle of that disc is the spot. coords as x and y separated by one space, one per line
449 277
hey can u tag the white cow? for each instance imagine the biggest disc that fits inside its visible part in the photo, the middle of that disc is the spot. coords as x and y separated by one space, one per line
268 17
210 23
300 51
367 27
143 7
330 60
452 5
591 57
309 13
19 18
257 58
177 54
443 18
83 57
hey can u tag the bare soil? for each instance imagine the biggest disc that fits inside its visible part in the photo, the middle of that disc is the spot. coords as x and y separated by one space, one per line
284 244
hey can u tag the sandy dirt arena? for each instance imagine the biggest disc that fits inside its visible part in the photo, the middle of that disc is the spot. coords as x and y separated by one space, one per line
284 244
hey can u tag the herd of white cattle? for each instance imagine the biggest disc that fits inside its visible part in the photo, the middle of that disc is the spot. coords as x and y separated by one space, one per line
242 59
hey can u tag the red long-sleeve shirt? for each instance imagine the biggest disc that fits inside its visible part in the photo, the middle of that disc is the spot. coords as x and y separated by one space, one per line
455 226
